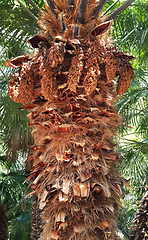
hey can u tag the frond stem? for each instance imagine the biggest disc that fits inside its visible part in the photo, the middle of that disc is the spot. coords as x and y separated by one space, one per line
36 8
99 8
51 6
110 7
120 9
81 11
27 10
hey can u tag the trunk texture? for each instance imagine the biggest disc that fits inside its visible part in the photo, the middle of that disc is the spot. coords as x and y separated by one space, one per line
140 229
69 82
3 224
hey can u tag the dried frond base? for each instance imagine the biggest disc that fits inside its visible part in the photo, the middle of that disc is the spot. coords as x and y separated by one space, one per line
72 174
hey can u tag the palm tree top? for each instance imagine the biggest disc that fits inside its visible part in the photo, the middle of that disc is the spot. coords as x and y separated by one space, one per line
62 15
67 26
72 19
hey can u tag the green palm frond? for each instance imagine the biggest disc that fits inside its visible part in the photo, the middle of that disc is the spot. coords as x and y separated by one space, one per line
16 25
134 107
14 132
11 196
12 11
20 227
11 187
19 220
131 31
125 217
134 155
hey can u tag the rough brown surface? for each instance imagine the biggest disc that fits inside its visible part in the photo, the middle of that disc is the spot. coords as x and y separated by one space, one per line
140 228
69 82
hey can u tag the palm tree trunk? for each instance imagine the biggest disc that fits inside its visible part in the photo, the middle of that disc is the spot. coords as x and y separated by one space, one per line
120 9
37 223
3 224
69 82
140 228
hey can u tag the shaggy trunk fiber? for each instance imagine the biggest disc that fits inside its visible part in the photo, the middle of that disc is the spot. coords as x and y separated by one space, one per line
140 229
69 82
3 224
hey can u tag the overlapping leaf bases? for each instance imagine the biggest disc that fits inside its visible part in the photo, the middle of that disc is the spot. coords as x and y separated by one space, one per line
69 82
140 228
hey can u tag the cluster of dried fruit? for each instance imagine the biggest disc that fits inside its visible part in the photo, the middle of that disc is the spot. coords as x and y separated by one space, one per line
55 67
69 82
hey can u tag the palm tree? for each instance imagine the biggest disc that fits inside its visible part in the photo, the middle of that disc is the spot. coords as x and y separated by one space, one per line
140 228
73 175
3 223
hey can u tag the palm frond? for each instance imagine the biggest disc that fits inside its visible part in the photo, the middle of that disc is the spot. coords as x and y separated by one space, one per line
120 9
11 186
134 163
110 7
125 217
14 126
133 106
130 29
37 9
81 12
99 7
28 11
20 226
51 6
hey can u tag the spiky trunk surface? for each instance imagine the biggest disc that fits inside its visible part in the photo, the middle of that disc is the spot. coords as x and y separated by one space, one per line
3 224
140 229
37 223
69 82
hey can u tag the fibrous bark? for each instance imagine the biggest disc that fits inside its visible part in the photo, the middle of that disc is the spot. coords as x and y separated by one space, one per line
3 223
140 228
69 82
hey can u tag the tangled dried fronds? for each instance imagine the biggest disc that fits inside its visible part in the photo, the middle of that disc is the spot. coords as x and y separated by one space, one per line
69 82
